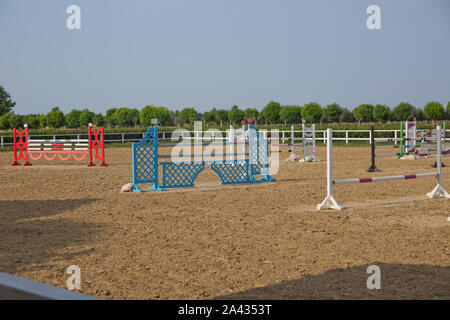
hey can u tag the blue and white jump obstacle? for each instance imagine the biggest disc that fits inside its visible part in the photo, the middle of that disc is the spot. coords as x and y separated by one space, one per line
331 203
183 174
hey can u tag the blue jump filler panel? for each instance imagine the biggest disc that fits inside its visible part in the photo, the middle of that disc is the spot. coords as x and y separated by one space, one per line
180 174
231 172
145 160
183 174
259 155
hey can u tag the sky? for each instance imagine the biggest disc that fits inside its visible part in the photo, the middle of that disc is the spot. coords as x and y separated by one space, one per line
220 53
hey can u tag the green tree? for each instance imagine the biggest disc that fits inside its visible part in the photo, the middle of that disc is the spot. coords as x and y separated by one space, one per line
382 113
433 110
32 120
404 111
448 111
333 112
109 117
86 117
125 117
271 112
363 113
4 121
209 116
16 121
251 113
163 115
346 116
312 112
418 113
73 119
42 120
235 115
55 118
221 116
98 120
176 118
290 114
189 115
6 104
147 114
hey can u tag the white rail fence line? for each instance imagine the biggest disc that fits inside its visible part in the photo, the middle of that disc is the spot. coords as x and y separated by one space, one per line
15 288
166 135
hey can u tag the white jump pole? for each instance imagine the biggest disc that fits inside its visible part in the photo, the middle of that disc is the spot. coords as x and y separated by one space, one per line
329 202
439 191
231 143
292 140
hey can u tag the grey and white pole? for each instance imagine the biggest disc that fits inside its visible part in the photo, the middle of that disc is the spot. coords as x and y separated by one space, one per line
439 191
329 202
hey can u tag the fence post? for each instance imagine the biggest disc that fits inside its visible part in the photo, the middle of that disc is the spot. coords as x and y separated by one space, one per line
346 136
292 140
395 136
123 137
1 141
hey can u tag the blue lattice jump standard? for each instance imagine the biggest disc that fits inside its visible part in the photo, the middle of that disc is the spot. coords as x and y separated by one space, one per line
183 174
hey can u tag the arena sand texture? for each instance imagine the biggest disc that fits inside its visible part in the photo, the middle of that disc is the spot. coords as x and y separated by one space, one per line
255 241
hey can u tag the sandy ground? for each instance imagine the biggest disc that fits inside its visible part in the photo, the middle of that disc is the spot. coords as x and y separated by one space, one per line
246 241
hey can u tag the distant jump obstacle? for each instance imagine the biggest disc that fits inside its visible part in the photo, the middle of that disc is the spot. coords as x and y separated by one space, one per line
308 142
331 203
93 146
183 174
411 145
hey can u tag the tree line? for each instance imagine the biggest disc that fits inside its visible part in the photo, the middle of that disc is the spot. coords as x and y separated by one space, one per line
272 113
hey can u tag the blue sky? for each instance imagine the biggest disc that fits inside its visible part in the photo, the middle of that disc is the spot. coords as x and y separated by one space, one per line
217 53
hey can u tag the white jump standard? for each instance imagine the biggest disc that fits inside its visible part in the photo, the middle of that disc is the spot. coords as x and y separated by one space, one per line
331 203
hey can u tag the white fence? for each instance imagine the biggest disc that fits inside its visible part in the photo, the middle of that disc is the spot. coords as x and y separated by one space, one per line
7 140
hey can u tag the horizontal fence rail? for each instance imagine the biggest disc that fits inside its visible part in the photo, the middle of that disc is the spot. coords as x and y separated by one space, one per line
124 137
